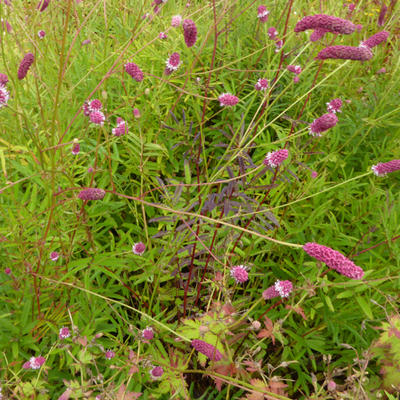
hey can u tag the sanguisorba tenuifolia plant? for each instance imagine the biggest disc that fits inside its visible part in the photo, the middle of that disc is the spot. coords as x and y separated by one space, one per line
189 199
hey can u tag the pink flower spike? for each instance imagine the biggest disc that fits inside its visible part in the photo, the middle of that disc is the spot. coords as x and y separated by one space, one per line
26 365
334 106
278 45
138 248
4 96
97 117
95 105
334 260
26 63
382 169
109 354
381 71
227 100
156 372
239 273
296 69
148 333
76 148
314 174
7 271
172 64
382 13
162 35
64 333
326 22
376 39
42 5
279 289
361 53
54 256
36 362
121 128
262 13
322 124
86 41
272 33
91 194
318 34
207 349
276 158
41 34
176 21
296 79
134 71
189 32
136 113
262 84
3 79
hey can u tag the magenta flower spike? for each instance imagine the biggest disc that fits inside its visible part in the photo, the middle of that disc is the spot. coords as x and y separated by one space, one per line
361 53
41 34
262 13
227 100
64 333
91 194
318 34
42 5
278 289
109 354
207 349
138 248
322 124
172 64
54 255
26 63
296 69
275 158
95 105
382 14
382 169
376 39
121 128
97 117
3 79
327 22
34 363
134 71
189 32
334 106
76 148
176 21
334 260
239 273
262 84
272 33
156 372
162 35
148 333
4 96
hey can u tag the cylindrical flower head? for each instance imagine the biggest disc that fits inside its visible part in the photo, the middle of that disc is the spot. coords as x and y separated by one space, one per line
262 84
334 106
43 5
227 100
148 333
296 69
97 117
121 128
64 333
91 194
189 32
76 148
382 169
4 96
109 354
382 13
239 273
156 372
3 79
207 349
26 63
138 248
172 64
95 104
318 34
176 20
276 158
279 289
327 22
272 33
54 256
41 34
134 71
334 260
376 39
361 53
262 13
322 124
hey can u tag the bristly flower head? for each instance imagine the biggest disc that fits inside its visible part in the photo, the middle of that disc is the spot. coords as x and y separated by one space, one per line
334 260
382 169
4 96
334 106
156 372
138 248
136 113
76 148
41 34
121 128
3 79
189 32
26 63
134 71
318 34
64 333
376 39
148 333
272 33
172 64
239 273
278 45
97 117
327 22
109 354
54 256
275 158
262 84
91 194
42 5
361 53
279 289
95 105
296 69
322 124
176 20
227 100
207 349
34 363
262 13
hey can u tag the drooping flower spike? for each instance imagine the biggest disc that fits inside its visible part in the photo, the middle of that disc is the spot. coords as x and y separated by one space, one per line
189 32
376 39
382 169
91 194
278 289
296 69
227 100
262 13
322 124
275 158
328 23
334 260
134 71
361 53
207 349
42 5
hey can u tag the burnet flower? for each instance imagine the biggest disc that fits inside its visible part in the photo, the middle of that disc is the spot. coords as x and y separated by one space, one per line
76 148
376 39
91 194
134 71
148 333
172 64
4 96
3 79
156 372
239 273
334 106
278 289
138 248
41 34
207 349
382 169
296 69
334 260
34 363
262 13
227 100
54 256
42 5
97 117
64 333
176 20
26 63
322 124
109 354
262 84
272 33
361 53
121 128
318 34
327 22
189 32
275 158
